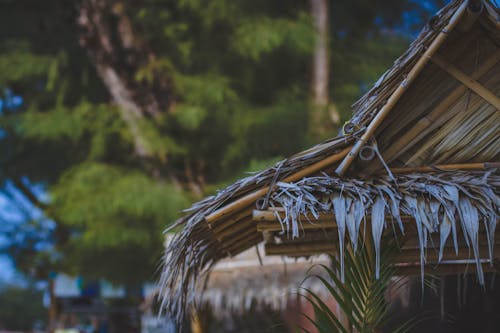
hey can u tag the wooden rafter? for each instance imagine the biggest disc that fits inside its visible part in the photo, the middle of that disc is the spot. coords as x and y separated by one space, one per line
406 256
250 198
447 167
300 249
445 268
264 226
467 80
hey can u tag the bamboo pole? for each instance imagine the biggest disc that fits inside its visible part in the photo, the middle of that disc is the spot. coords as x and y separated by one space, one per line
235 227
240 237
52 312
466 80
244 245
432 256
406 256
300 249
411 241
273 226
429 121
219 225
272 215
396 95
448 167
196 323
250 198
324 220
444 269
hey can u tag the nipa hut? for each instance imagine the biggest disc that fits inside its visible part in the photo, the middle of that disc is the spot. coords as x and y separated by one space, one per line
419 158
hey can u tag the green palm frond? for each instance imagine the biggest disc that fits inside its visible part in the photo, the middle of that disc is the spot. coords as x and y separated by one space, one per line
361 296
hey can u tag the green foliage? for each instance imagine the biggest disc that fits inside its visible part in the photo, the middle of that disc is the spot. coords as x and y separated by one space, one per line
267 132
190 116
19 63
110 208
20 308
359 63
95 193
262 35
359 294
209 90
237 75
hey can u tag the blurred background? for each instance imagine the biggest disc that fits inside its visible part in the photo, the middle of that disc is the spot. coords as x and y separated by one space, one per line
117 114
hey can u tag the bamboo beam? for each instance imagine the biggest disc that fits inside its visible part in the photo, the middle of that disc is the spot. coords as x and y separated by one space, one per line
267 220
466 80
272 215
429 120
432 255
406 256
235 228
273 226
269 215
250 198
219 225
241 237
444 269
300 249
244 245
396 95
411 241
447 167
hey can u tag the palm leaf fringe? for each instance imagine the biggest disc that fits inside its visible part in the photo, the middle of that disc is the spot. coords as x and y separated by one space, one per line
191 253
438 202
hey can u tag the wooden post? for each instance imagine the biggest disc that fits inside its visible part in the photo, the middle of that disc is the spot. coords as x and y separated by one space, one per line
196 325
52 307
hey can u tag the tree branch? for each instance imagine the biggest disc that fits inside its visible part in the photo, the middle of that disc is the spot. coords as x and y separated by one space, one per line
117 53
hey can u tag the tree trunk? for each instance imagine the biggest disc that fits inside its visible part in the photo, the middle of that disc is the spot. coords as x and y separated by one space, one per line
323 115
110 42
319 83
117 52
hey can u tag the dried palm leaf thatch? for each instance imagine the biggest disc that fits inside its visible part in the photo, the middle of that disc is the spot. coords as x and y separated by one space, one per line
367 106
461 136
439 203
195 249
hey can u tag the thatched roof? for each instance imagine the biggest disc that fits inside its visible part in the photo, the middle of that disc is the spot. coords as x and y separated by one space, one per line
437 105
246 282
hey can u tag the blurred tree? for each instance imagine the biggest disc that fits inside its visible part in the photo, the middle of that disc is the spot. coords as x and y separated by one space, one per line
20 308
127 110
323 117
